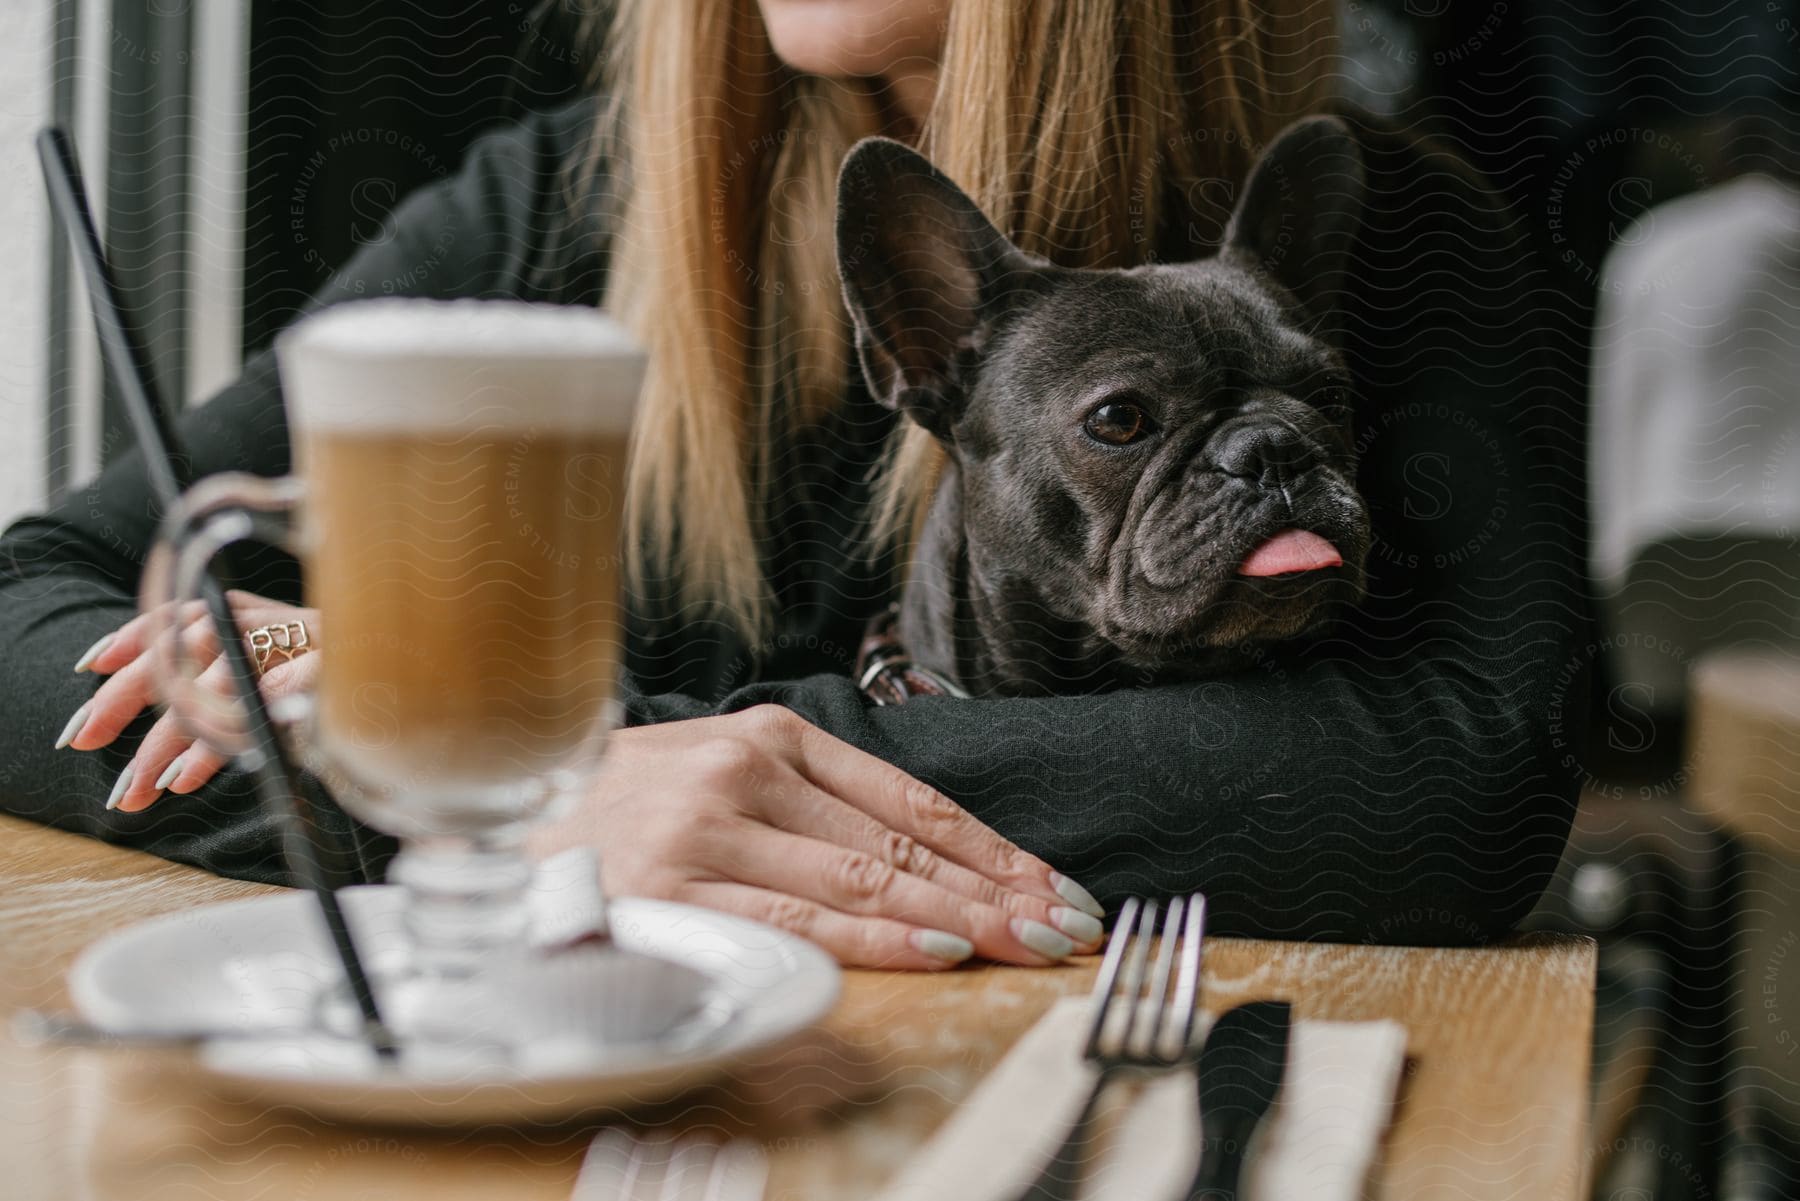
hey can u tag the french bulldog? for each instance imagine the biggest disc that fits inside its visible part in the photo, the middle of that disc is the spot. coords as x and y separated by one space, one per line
1149 472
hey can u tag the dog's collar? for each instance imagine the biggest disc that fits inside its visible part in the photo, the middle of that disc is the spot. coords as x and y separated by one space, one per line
886 674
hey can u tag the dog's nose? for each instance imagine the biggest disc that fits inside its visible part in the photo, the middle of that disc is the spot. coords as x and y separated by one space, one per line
1269 454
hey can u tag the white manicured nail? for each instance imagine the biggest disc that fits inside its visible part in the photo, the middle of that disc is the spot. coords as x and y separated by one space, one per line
1042 939
93 652
170 772
1076 895
119 787
1076 924
940 945
74 726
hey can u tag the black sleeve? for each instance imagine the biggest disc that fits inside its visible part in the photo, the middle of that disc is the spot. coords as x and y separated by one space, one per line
1407 777
71 574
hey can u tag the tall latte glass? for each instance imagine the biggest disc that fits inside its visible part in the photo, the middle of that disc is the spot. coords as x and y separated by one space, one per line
457 509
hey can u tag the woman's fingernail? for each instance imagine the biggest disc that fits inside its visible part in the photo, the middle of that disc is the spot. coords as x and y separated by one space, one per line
119 786
174 769
1042 939
93 652
1076 895
941 945
1076 924
74 726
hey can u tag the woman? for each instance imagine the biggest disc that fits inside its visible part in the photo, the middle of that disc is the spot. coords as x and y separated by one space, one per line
1396 782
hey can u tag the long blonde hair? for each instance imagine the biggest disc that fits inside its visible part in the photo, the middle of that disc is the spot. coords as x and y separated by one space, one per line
1079 126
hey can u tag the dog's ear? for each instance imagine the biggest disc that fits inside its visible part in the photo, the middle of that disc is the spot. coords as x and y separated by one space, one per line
1300 209
926 275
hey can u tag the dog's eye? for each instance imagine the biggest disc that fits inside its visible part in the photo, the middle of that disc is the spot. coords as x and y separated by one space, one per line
1118 422
1334 401
1329 393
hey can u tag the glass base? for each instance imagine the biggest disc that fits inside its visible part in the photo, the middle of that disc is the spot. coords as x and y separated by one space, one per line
441 1027
585 1009
466 921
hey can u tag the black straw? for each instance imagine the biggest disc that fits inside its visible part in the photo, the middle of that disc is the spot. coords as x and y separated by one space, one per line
267 761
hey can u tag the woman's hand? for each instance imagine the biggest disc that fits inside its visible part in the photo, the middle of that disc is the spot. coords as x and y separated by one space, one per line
761 813
168 759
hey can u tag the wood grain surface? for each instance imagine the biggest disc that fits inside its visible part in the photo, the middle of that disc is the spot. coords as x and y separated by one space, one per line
1494 1102
1744 745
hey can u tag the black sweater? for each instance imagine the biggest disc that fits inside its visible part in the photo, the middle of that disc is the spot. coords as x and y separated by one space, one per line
1405 777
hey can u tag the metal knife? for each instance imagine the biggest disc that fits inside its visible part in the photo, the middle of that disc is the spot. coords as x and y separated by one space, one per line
1241 1067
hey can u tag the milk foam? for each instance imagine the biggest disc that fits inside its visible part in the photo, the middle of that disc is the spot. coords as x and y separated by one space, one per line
402 363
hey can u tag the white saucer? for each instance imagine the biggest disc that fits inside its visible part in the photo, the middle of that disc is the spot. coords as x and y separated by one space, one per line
611 1029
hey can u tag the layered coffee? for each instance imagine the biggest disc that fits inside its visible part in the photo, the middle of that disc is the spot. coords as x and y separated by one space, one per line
464 466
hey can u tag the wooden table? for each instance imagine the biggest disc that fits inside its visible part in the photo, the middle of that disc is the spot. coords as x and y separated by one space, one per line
1744 769
1494 1102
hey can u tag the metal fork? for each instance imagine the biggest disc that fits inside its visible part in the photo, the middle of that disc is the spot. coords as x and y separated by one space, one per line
622 1166
1139 1025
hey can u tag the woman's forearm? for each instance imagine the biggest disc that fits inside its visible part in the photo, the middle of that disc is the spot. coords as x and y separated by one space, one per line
1420 804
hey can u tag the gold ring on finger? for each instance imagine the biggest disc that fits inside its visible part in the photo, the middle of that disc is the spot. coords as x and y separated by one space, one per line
280 643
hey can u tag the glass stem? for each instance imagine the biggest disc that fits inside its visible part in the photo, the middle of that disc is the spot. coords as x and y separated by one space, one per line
465 909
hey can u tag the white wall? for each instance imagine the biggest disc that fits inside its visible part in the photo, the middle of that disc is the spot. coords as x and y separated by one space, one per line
24 232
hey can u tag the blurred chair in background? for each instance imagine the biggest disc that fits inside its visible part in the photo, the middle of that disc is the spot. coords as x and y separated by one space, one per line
1696 437
1688 852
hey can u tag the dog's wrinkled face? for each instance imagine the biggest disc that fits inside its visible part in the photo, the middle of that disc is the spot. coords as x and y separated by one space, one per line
1162 455
1168 457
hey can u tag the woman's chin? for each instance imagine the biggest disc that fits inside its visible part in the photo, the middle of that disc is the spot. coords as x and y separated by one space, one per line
842 39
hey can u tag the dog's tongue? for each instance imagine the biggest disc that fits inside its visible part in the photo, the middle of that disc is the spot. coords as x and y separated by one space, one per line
1290 551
